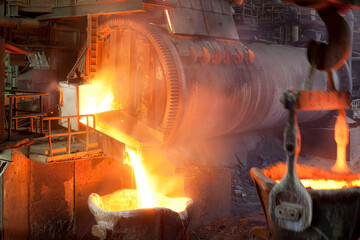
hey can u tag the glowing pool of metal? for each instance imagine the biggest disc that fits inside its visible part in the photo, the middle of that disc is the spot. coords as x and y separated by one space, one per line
117 214
315 178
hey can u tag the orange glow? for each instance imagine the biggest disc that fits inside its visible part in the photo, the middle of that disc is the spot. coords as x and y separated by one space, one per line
97 96
127 200
315 178
342 139
145 196
327 184
168 20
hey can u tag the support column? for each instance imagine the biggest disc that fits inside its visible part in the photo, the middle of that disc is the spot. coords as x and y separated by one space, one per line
2 90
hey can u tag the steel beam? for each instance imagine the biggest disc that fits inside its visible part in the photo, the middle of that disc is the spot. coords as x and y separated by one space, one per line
2 90
321 4
162 3
95 9
2 8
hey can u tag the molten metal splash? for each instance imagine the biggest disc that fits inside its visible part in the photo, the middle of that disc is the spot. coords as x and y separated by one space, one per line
342 139
145 196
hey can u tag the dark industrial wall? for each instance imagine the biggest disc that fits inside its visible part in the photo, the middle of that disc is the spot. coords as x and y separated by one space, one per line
50 201
16 198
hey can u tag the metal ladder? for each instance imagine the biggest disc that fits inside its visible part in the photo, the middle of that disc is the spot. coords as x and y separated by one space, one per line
93 22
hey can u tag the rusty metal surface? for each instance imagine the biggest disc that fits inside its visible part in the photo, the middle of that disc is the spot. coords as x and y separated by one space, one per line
335 212
228 99
208 19
204 87
21 140
16 198
51 200
23 24
93 7
162 3
181 17
113 121
322 100
69 157
111 148
148 223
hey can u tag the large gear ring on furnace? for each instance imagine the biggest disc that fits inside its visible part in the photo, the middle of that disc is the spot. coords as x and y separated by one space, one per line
147 69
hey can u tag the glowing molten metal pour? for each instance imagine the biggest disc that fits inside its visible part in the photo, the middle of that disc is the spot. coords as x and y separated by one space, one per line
145 196
342 139
340 175
99 97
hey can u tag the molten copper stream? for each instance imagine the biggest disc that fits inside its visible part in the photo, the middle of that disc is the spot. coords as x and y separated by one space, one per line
98 97
145 196
142 197
342 139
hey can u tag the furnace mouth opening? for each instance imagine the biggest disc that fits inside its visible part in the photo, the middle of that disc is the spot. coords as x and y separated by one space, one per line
314 178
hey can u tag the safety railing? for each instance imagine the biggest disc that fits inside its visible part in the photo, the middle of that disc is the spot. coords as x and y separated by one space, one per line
88 130
14 111
355 106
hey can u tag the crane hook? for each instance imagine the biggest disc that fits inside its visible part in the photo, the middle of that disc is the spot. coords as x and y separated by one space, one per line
331 56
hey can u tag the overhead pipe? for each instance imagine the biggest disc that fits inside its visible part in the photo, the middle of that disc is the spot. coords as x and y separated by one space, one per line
22 23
